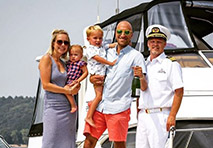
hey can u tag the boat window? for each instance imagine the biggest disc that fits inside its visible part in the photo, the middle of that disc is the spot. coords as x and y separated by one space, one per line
209 56
189 60
170 15
109 32
138 32
208 39
137 40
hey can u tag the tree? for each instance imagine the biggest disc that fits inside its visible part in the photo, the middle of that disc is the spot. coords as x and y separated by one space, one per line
16 116
24 133
16 137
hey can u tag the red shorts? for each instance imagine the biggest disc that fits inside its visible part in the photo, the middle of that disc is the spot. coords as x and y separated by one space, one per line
117 125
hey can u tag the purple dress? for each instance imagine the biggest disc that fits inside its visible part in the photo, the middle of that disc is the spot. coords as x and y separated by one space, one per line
59 125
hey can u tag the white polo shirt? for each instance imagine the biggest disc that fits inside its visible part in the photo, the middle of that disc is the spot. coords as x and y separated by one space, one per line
163 77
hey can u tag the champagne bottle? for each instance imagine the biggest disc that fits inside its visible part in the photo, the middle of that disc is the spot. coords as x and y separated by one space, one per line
136 87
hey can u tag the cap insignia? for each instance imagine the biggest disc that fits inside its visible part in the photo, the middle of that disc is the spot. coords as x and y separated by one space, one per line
155 29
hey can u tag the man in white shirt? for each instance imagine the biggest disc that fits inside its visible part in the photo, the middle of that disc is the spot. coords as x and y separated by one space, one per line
160 102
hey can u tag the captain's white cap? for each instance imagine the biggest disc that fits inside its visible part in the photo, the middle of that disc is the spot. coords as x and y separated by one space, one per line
157 31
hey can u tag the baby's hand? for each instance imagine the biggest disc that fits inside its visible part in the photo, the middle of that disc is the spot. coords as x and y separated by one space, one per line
73 83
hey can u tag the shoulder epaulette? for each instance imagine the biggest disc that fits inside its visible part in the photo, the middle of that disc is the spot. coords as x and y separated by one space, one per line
171 58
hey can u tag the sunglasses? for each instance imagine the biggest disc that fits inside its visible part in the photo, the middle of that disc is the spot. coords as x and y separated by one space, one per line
60 42
126 32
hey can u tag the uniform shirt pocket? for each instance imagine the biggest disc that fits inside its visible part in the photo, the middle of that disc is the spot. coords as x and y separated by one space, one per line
160 82
161 77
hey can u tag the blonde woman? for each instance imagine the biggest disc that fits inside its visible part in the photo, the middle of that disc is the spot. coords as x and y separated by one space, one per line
59 125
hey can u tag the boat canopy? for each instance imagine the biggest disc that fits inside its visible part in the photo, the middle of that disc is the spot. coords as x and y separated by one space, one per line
190 23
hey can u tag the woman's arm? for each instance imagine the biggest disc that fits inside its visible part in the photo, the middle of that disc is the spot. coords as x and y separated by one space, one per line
45 65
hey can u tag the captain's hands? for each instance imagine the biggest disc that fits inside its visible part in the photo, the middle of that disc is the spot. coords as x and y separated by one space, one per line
171 121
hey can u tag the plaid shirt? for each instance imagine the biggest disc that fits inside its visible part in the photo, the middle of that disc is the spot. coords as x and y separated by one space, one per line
74 70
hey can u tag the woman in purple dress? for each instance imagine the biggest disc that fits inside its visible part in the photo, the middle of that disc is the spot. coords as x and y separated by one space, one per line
59 125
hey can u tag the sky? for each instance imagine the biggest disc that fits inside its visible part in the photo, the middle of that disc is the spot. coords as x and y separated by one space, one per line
25 33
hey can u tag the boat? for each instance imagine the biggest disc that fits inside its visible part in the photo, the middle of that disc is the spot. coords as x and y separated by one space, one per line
3 143
191 45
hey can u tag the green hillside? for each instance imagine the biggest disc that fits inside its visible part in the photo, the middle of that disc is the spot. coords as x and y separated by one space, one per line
15 118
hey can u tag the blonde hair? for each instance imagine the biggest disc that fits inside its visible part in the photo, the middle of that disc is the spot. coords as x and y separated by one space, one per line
54 35
78 47
93 28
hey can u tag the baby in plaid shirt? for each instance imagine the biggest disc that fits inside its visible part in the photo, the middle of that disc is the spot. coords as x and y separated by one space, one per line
76 70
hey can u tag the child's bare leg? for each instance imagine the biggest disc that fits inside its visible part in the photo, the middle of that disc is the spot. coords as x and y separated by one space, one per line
95 102
72 102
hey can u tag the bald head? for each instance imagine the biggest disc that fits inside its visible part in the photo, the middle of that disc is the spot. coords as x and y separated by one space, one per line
125 23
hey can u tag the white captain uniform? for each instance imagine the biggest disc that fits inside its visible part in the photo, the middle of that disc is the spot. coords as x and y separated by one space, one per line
163 76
